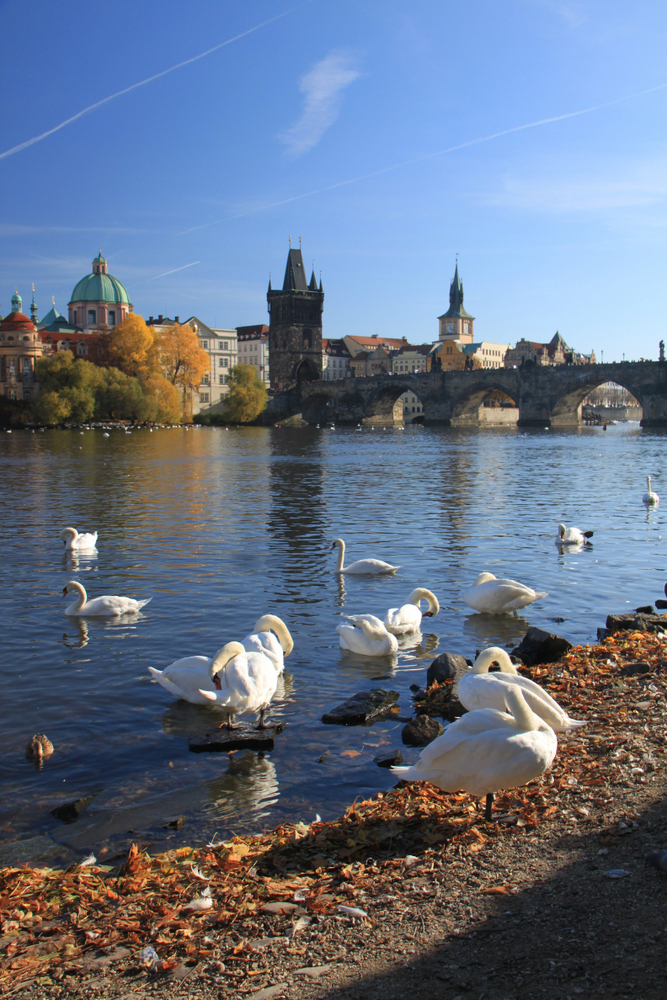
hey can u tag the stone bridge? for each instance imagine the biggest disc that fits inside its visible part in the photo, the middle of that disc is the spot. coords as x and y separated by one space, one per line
544 396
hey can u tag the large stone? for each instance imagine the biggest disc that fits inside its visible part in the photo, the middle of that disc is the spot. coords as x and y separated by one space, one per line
390 759
421 731
240 738
445 667
362 708
538 646
70 812
633 622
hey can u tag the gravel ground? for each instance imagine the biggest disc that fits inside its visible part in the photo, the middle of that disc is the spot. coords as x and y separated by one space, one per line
555 900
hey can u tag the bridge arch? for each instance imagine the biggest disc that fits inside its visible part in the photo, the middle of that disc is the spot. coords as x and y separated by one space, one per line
567 409
385 404
485 405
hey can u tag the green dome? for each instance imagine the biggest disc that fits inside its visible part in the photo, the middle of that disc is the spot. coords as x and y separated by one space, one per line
100 288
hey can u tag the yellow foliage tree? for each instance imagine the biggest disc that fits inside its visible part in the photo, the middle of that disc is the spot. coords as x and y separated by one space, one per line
131 347
166 396
182 361
247 395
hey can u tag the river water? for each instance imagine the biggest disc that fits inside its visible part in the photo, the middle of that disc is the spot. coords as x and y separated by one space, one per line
219 526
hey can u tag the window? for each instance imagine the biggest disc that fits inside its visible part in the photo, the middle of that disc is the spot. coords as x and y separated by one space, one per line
112 317
204 344
224 362
91 317
225 345
221 379
203 397
27 395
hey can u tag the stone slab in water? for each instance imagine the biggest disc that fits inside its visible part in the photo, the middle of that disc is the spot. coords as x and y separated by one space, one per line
244 738
633 622
538 646
14 852
389 759
421 731
362 708
70 811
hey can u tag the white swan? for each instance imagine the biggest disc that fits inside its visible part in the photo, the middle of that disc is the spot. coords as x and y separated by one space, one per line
572 536
495 597
367 636
480 689
262 640
101 606
243 681
487 750
650 498
408 618
367 567
75 542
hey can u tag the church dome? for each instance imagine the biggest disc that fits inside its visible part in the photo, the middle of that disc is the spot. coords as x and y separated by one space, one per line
17 322
100 286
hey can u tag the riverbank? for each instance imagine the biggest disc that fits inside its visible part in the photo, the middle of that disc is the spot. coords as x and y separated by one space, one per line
408 892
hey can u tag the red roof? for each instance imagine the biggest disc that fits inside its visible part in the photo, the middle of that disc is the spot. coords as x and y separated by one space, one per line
16 322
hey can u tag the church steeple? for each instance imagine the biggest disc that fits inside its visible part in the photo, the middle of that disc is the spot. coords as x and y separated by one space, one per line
295 273
456 323
313 282
33 307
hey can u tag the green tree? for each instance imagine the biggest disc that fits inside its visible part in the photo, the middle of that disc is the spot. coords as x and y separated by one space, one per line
74 381
247 395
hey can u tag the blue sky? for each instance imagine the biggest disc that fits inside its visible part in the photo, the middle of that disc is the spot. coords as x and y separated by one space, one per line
331 123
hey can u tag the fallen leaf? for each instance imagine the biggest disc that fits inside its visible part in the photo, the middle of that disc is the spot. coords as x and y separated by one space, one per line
351 753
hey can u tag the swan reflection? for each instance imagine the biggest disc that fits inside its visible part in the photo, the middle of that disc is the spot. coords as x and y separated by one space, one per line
77 636
82 562
495 629
367 666
250 784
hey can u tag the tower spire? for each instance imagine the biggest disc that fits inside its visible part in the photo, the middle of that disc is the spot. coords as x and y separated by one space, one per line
33 307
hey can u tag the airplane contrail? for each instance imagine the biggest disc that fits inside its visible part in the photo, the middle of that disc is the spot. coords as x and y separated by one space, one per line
429 156
175 270
142 83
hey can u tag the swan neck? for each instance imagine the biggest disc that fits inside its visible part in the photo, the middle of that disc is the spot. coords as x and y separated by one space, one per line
341 554
224 655
518 708
371 631
82 596
488 656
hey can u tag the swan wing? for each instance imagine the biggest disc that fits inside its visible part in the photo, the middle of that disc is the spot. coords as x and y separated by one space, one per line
370 567
371 619
496 596
404 619
166 682
85 541
249 683
478 691
471 724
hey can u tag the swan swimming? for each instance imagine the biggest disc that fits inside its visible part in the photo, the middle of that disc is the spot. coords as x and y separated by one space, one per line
650 498
78 542
479 689
487 750
408 618
101 606
572 536
263 640
494 597
366 567
367 636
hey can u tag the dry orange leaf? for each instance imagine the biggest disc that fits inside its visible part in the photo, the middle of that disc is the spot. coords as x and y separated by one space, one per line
351 753
498 890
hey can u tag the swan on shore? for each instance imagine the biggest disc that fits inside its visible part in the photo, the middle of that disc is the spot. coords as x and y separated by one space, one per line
479 689
78 542
263 640
572 536
408 618
105 606
367 567
650 498
367 636
495 597
487 750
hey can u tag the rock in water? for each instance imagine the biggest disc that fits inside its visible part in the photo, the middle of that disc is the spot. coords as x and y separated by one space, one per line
421 731
362 708
389 759
445 667
70 812
538 646
658 859
633 622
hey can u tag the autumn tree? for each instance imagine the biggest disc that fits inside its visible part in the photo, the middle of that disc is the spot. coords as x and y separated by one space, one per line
247 395
132 347
166 398
182 360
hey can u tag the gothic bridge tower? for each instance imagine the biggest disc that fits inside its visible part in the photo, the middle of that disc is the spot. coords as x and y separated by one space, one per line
295 327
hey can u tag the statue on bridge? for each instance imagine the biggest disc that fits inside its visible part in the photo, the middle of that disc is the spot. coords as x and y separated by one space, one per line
661 349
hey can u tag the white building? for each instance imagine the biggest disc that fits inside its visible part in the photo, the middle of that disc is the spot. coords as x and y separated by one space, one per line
221 346
411 358
488 354
335 360
411 407
253 349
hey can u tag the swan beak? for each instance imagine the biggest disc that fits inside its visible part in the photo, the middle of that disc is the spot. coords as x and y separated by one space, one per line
64 591
333 546
427 614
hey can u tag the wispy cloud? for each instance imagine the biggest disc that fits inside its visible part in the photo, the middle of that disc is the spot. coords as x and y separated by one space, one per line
322 88
182 268
142 83
616 186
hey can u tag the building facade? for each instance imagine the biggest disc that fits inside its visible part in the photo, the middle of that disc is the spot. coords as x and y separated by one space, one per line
20 347
488 354
456 323
99 300
335 360
295 326
253 349
556 352
411 359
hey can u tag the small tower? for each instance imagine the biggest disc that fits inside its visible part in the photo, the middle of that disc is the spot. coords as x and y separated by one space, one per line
17 302
456 323
33 307
295 326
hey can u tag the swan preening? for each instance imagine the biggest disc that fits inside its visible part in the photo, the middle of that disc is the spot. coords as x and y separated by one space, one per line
479 689
495 597
241 677
408 618
366 567
78 542
487 750
650 498
572 536
367 636
105 606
